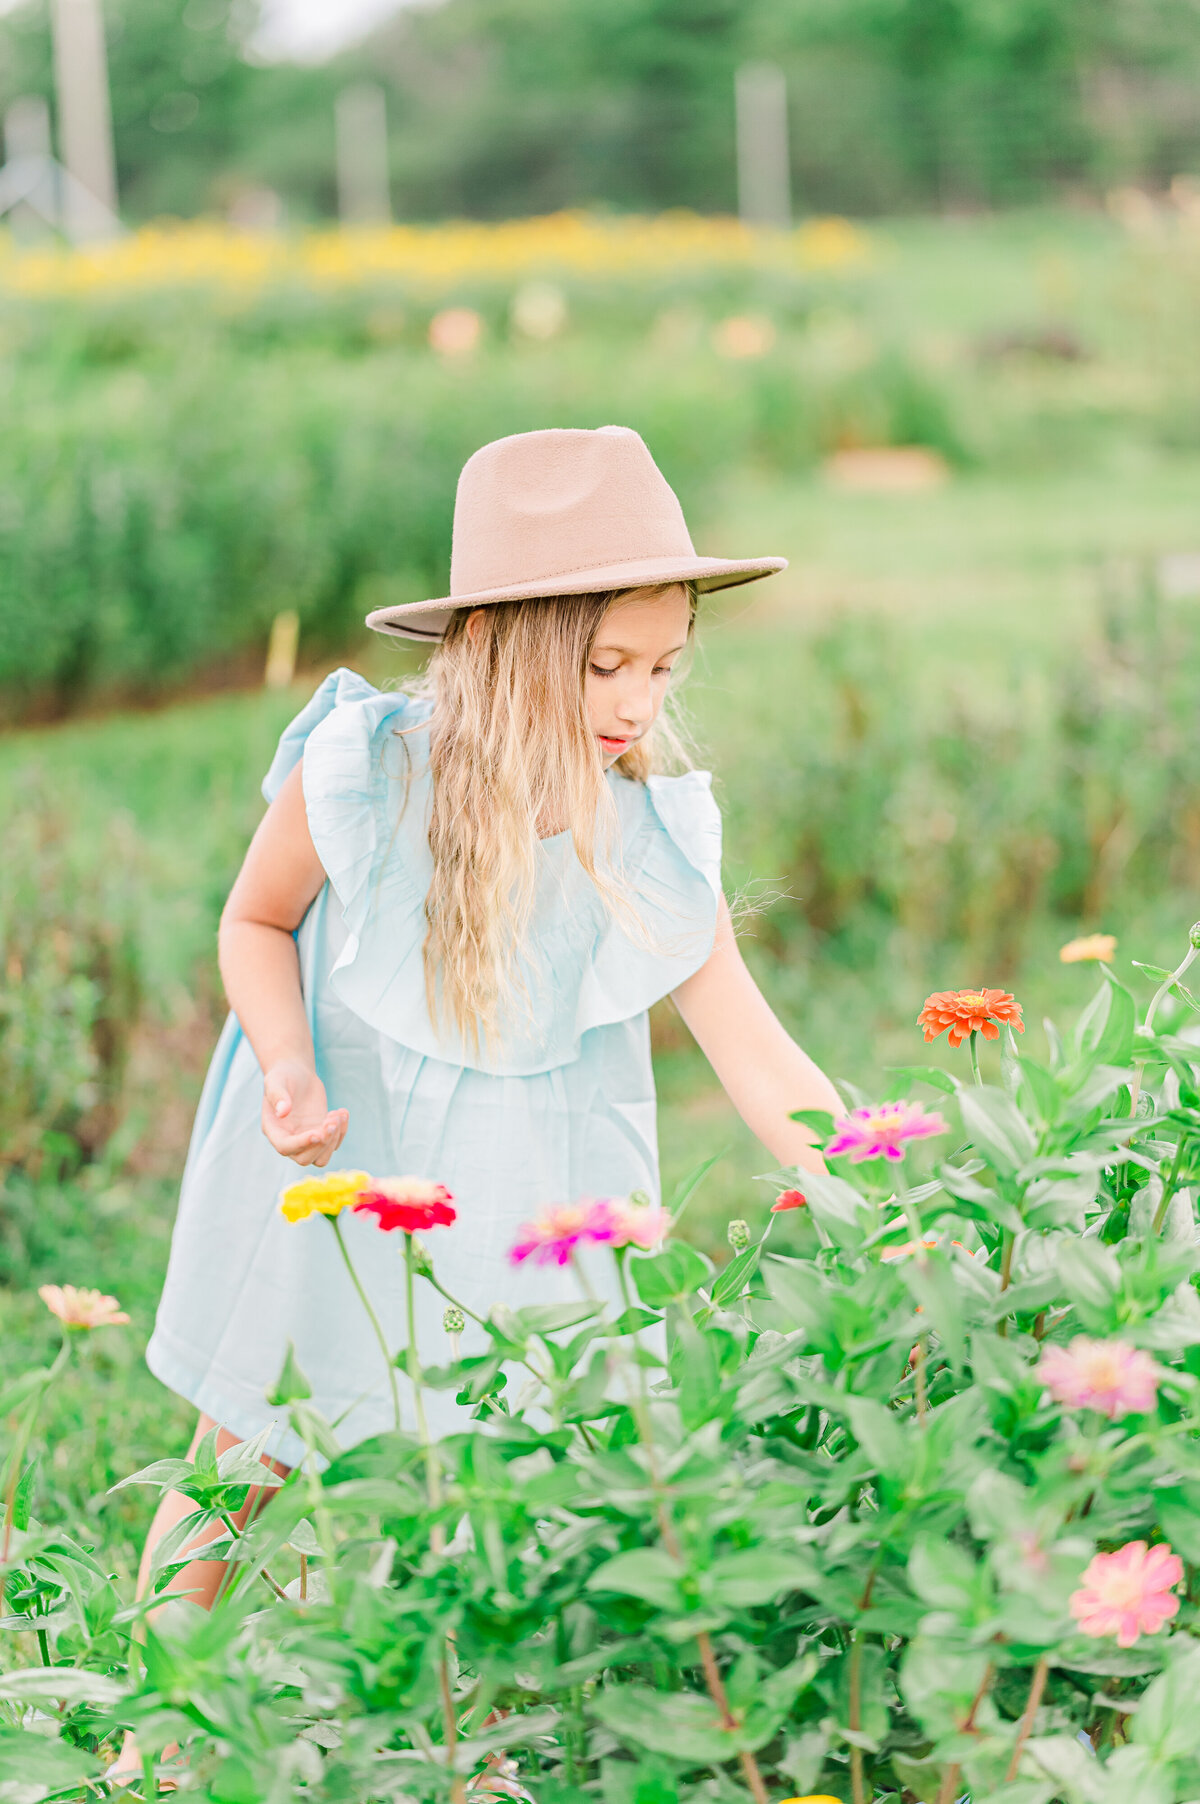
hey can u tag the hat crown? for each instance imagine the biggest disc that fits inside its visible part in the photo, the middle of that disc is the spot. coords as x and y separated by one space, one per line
540 505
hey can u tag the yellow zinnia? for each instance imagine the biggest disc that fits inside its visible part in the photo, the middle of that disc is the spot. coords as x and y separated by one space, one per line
328 1194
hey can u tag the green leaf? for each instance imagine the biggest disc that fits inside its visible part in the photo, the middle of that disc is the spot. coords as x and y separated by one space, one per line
648 1573
166 1474
996 1128
1167 1721
678 1723
291 1384
880 1436
838 1208
22 1497
733 1280
670 1276
819 1120
757 1575
37 1761
549 1318
943 1576
687 1186
65 1684
1039 1088
1178 1510
933 1075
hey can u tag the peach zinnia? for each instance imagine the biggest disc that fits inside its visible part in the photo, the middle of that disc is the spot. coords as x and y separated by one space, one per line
1098 947
81 1308
1128 1593
969 1012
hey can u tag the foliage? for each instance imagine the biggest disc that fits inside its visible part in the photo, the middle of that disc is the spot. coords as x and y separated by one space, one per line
515 106
159 505
826 1537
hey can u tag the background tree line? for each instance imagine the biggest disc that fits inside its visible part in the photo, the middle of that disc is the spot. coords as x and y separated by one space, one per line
504 107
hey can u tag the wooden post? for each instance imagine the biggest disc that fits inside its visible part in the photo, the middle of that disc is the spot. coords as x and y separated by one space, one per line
763 163
84 121
360 117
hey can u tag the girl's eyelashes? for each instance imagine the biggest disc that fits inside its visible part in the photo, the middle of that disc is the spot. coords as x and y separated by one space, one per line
599 671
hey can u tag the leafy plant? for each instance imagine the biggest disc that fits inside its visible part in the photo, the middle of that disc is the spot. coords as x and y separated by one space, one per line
910 1512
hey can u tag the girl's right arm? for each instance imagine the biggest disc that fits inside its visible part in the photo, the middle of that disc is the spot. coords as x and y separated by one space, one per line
280 877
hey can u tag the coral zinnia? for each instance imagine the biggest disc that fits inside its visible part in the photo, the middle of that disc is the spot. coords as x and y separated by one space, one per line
789 1199
410 1204
969 1012
327 1194
880 1133
1128 1593
1105 1375
81 1308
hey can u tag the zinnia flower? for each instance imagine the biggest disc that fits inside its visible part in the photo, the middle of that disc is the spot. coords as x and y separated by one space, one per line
81 1308
637 1224
1099 946
553 1237
789 1199
910 1247
1106 1375
410 1204
968 1012
881 1132
327 1194
1128 1593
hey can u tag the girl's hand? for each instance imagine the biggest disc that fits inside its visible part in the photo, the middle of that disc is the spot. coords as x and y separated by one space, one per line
296 1117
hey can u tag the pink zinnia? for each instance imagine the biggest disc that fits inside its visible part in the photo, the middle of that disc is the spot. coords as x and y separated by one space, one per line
553 1237
1128 1593
640 1225
881 1132
1106 1375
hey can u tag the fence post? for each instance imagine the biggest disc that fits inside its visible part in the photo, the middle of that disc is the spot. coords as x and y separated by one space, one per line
89 200
764 175
360 117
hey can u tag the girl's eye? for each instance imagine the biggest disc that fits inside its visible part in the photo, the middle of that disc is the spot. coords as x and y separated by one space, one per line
598 670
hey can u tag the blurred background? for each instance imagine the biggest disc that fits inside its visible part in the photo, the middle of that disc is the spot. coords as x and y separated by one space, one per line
905 290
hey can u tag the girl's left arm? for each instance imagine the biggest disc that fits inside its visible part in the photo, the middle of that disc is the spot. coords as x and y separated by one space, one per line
763 1071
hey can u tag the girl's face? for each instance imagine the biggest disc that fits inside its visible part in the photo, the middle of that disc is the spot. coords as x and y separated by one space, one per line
636 644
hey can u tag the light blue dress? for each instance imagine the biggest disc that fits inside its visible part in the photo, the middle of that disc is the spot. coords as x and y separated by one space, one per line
567 1110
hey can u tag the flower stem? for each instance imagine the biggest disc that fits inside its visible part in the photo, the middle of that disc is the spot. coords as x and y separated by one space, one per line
948 1790
1006 1259
1036 1687
854 1713
1163 990
22 1440
433 1475
336 1225
975 1057
1160 1214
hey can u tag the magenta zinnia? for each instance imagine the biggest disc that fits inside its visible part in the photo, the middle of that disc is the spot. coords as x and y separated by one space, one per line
882 1132
553 1237
1106 1375
1128 1593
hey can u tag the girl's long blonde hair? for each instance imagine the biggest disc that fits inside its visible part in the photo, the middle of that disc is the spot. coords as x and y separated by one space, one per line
512 761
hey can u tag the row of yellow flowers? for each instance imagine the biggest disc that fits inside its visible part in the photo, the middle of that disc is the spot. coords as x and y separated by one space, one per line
209 253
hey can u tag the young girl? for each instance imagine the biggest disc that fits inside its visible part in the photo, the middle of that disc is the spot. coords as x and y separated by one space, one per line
442 946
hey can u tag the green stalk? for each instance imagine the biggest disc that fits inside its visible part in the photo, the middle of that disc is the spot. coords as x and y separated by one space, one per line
413 1363
1163 990
975 1057
1160 1214
22 1441
336 1225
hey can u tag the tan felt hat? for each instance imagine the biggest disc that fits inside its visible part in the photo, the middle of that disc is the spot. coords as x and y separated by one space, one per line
564 512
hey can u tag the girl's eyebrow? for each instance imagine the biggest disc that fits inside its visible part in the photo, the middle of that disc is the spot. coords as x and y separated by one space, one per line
631 651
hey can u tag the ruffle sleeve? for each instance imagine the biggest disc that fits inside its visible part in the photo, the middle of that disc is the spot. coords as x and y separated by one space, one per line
367 794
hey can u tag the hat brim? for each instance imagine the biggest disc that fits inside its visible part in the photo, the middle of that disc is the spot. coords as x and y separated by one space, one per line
429 619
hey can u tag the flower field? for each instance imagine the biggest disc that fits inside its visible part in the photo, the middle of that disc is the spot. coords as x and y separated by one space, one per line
910 1510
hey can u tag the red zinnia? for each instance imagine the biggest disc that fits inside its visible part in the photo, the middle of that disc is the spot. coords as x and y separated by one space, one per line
789 1199
410 1204
969 1012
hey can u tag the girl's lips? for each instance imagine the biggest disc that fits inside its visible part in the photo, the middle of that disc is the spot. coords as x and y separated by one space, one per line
612 744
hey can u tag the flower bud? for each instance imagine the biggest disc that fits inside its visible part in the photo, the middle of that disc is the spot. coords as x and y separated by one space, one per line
739 1235
640 1199
453 1320
422 1264
1194 936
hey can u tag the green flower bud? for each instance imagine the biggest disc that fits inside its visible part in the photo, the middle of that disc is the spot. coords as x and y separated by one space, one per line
1194 936
640 1199
453 1320
739 1235
422 1264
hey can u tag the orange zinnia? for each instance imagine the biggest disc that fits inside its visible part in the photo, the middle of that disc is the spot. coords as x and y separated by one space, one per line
968 1012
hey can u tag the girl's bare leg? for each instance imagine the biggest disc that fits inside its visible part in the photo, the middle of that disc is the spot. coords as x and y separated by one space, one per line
199 1579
